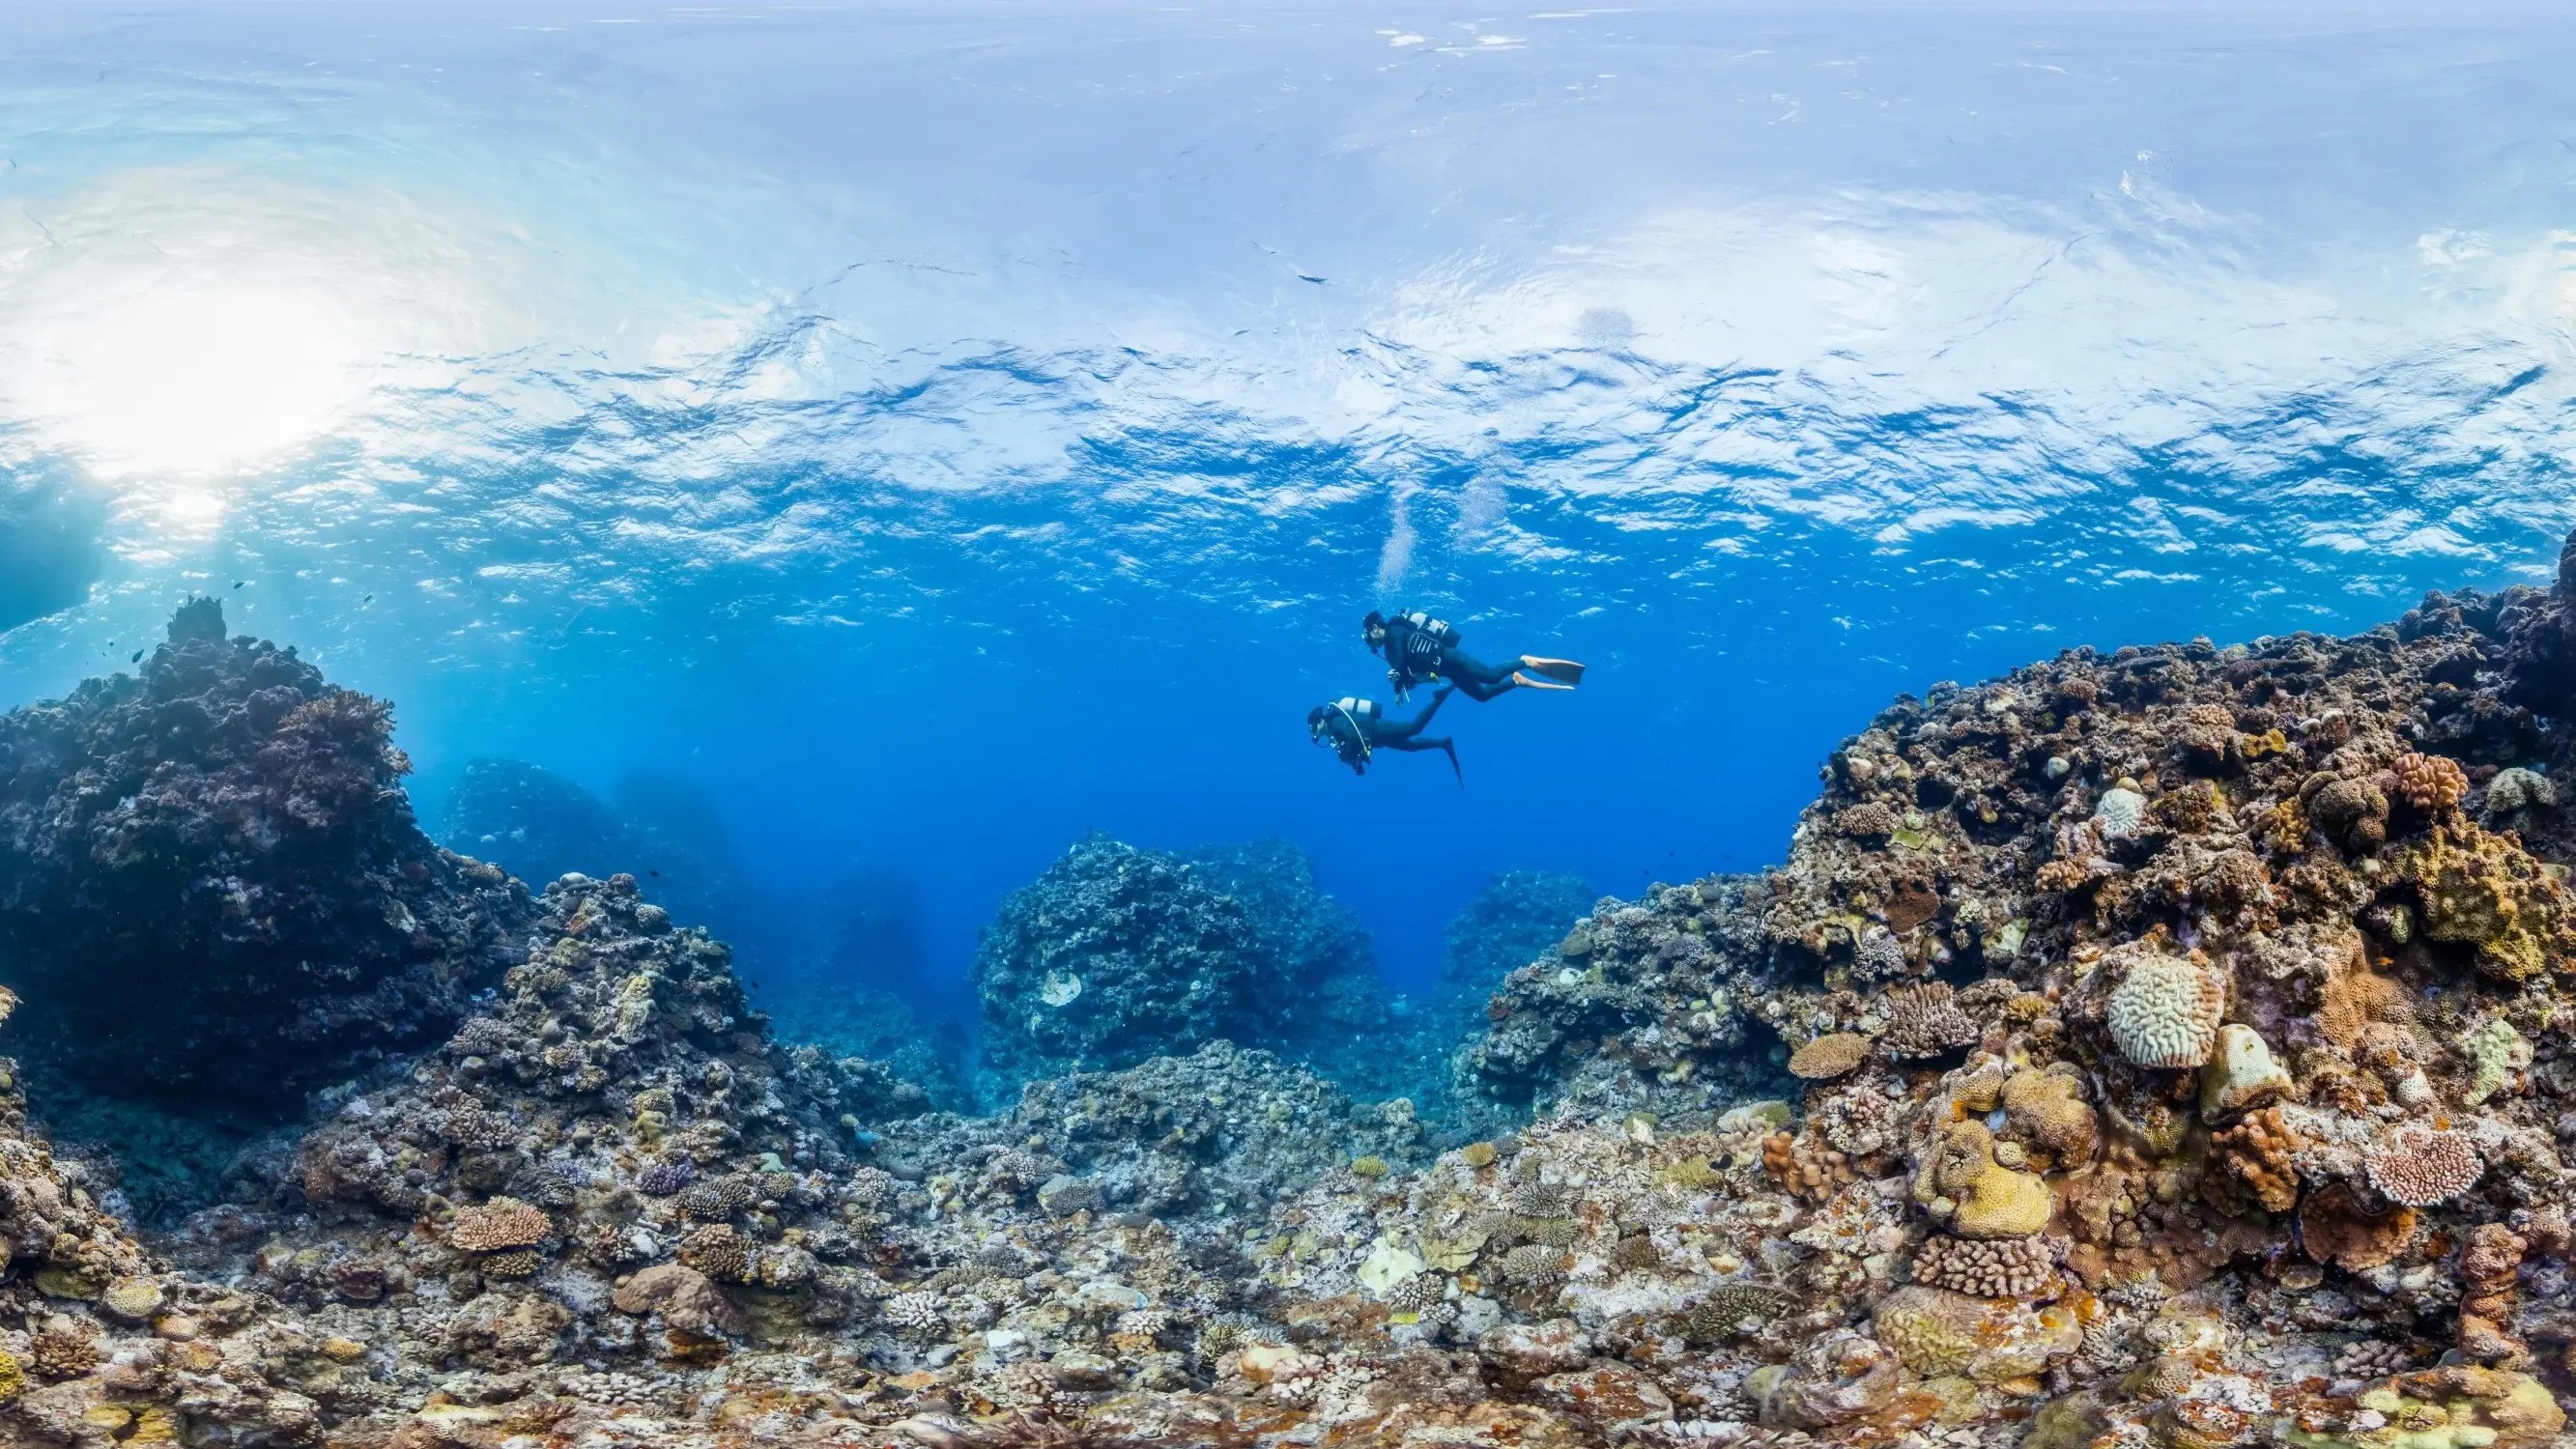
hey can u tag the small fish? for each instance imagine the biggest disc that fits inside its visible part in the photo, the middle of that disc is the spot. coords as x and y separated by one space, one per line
137 659
369 599
237 583
657 875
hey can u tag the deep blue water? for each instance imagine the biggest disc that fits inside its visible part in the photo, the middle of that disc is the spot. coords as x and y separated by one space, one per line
933 432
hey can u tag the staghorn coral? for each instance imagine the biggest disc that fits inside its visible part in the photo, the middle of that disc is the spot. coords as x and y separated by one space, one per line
2165 1012
2421 1167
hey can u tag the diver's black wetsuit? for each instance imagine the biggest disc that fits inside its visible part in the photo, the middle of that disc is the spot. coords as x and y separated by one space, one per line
1358 726
1415 654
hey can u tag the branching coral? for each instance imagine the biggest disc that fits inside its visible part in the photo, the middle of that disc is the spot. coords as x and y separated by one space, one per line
2002 1268
2422 1167
1925 1021
502 1223
2258 1150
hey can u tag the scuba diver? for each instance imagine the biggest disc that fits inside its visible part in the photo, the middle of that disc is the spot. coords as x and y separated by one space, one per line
1418 648
1357 728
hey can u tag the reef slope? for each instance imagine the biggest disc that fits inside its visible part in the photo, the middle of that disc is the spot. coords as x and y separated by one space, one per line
2165 1047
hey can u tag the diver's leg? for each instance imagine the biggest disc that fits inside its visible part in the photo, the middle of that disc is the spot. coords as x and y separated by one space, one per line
1475 679
1410 744
1429 710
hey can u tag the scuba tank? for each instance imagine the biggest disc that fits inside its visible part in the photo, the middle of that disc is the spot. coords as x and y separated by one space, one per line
1438 631
1360 713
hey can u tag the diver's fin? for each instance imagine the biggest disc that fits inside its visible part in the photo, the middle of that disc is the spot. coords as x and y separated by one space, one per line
1452 752
1525 682
1565 670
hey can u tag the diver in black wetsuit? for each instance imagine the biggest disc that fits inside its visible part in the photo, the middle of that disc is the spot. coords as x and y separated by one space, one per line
1418 648
1356 728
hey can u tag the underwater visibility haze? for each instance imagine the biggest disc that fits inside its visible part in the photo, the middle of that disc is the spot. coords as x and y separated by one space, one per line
655 784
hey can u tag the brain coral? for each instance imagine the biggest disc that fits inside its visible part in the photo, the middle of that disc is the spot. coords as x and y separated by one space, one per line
1937 1331
1828 1056
2165 1014
2419 1167
2120 813
502 1223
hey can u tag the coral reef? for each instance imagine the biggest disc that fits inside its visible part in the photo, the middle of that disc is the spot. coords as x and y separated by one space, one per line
212 889
1517 918
2158 1049
1114 955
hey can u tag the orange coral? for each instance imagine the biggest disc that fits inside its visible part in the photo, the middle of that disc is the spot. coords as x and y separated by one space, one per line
2258 1151
1811 1173
2490 1271
2434 784
2334 1228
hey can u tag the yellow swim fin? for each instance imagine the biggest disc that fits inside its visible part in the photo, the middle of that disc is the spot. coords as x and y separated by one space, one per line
1526 682
1565 671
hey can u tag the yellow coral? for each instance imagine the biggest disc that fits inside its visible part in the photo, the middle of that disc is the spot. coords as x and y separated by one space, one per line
1937 1331
2450 1408
2480 890
1986 1198
2048 1109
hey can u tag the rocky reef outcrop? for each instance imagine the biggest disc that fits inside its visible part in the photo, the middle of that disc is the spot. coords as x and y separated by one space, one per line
212 888
1117 954
1519 917
1113 955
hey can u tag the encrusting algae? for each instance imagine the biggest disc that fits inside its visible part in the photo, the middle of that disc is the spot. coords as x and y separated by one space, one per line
2160 1049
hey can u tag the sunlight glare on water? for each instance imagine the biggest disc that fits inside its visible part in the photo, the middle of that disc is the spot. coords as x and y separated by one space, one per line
934 432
